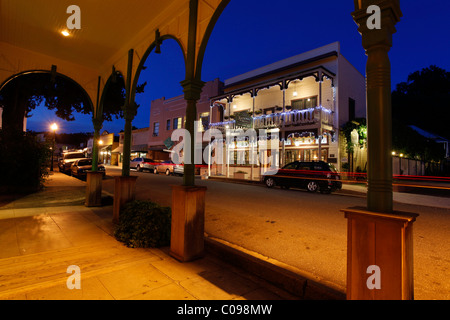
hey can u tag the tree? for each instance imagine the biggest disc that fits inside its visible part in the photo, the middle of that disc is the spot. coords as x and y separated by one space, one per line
24 162
424 100
360 126
114 97
413 145
24 93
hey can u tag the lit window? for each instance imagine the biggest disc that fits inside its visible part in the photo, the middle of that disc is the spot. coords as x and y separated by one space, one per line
305 103
156 129
177 123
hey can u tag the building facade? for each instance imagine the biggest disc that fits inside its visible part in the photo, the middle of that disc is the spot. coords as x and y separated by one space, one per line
139 148
169 115
298 104
107 143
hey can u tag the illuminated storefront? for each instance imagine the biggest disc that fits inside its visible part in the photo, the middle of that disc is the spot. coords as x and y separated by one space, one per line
298 103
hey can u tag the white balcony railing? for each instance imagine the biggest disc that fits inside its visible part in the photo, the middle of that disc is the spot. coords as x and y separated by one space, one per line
287 118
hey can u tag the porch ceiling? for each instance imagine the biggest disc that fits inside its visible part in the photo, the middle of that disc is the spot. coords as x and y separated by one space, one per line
108 27
31 39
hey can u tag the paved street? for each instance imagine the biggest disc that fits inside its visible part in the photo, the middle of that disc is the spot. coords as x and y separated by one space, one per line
306 231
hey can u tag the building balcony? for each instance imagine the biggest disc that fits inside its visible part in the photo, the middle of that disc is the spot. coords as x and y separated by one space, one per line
293 118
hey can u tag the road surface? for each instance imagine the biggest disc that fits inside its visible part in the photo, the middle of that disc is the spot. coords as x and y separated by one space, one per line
304 230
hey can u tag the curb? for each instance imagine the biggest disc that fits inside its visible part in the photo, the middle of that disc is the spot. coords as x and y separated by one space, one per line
301 284
241 181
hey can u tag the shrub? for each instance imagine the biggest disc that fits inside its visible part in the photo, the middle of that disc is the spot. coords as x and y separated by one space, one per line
23 162
144 224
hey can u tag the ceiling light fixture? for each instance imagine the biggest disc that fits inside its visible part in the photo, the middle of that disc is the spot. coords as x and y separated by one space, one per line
65 33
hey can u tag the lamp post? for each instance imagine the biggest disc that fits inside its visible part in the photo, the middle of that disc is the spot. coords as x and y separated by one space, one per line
53 127
100 145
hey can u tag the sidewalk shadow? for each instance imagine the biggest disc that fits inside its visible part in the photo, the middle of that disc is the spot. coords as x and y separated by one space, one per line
7 199
48 197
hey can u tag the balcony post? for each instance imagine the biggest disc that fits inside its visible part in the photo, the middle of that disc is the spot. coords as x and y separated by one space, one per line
319 130
283 132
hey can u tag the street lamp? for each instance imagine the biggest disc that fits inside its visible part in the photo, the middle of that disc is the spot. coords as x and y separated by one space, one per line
53 127
100 144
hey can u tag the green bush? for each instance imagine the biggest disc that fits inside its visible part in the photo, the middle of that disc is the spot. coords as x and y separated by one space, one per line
23 162
144 224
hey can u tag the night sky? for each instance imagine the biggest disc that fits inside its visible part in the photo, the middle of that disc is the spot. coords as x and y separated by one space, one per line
254 33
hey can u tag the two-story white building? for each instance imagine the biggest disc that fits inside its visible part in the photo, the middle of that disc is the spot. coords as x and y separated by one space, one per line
303 100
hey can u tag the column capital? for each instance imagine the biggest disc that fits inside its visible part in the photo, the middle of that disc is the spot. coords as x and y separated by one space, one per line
390 15
192 88
130 111
98 123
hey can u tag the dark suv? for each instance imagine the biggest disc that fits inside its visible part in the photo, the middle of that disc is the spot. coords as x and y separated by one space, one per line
312 176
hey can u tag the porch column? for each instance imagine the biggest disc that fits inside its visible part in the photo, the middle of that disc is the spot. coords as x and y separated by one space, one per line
125 185
188 200
379 244
94 178
192 91
97 121
129 111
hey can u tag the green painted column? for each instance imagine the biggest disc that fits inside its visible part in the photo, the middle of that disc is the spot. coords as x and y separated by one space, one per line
192 88
192 91
376 20
98 123
129 115
129 111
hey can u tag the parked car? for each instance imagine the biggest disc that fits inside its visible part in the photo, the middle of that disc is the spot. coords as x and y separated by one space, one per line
312 176
166 167
68 158
80 168
141 164
178 169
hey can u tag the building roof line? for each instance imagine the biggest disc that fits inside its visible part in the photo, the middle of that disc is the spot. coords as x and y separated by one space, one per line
302 74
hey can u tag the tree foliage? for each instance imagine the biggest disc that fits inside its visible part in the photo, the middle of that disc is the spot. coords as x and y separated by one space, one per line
23 94
413 145
23 163
358 124
424 100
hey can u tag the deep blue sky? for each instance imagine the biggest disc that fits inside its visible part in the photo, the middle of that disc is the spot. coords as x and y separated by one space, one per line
254 33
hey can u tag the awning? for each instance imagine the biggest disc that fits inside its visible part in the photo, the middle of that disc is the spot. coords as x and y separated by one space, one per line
119 149
139 148
156 148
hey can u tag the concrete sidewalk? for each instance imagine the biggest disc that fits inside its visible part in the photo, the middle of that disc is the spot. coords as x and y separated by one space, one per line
402 197
42 234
